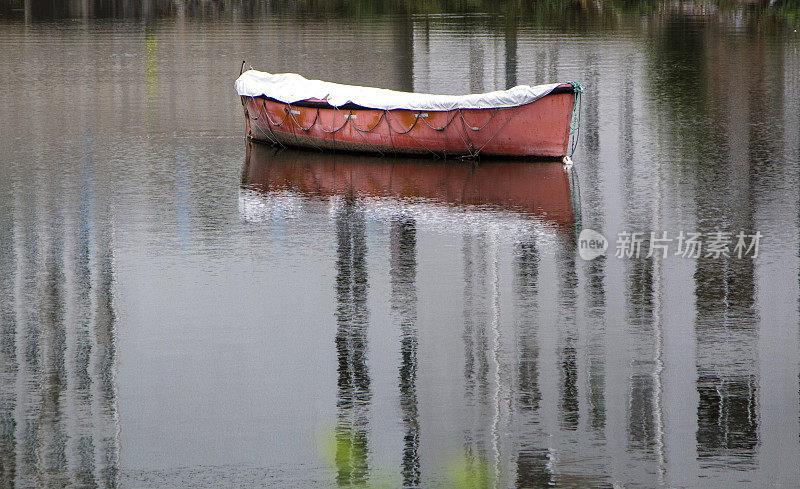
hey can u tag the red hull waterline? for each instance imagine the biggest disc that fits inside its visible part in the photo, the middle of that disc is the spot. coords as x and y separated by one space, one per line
537 129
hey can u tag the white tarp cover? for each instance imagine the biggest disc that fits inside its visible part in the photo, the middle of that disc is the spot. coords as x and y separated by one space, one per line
291 87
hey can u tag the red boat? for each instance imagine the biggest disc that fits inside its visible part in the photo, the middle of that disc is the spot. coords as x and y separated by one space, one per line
524 121
539 189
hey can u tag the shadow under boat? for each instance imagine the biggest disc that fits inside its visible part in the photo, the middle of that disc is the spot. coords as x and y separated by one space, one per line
544 190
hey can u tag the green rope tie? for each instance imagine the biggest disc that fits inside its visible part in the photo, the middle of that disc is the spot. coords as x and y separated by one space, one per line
575 118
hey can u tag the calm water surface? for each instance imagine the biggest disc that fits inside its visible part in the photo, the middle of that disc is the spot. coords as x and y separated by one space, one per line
180 308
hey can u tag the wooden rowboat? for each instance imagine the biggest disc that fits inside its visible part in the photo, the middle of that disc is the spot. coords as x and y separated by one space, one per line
524 121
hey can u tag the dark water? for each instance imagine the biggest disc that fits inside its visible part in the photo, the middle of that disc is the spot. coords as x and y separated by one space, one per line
178 308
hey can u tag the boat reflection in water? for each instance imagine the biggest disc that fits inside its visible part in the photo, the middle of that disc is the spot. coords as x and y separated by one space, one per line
538 190
481 203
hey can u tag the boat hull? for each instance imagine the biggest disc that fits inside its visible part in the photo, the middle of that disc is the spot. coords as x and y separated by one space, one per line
538 129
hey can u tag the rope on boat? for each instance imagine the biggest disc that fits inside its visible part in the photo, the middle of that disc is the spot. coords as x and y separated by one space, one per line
478 128
511 116
333 122
289 111
269 126
266 114
371 128
305 129
575 117
416 119
445 126
384 115
464 125
473 152
574 126
361 132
